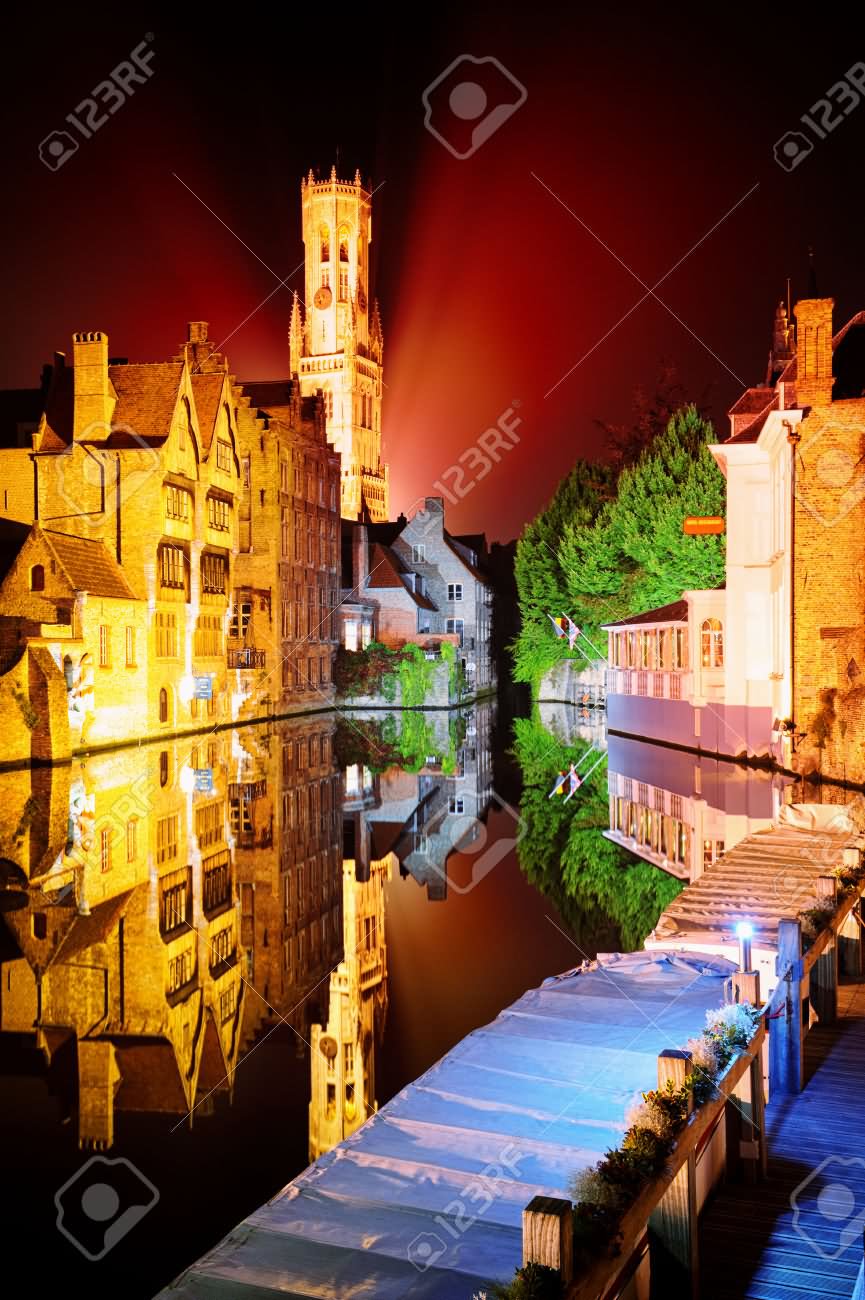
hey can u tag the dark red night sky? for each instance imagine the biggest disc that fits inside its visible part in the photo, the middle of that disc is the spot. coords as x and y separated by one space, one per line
490 289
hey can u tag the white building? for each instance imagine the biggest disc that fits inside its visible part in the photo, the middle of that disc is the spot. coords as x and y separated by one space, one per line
712 671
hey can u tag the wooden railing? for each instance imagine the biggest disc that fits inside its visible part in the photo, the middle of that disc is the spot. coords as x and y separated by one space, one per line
808 981
659 1230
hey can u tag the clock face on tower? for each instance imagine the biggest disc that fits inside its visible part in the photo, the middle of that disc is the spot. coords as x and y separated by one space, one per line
323 297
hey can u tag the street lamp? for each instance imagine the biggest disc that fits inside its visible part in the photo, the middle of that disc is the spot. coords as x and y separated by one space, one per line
744 933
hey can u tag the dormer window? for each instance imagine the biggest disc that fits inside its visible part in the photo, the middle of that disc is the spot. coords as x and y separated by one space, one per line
37 578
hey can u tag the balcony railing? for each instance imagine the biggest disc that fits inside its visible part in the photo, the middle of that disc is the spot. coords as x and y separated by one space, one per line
659 684
246 658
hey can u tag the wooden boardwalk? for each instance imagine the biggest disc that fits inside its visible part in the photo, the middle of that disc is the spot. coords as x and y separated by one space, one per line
750 1246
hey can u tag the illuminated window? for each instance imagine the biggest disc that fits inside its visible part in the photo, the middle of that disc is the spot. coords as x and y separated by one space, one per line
223 455
163 705
177 503
343 243
209 824
163 767
240 618
208 636
130 647
104 646
181 969
218 514
105 850
712 643
324 244
166 636
455 591
172 568
214 572
166 838
37 578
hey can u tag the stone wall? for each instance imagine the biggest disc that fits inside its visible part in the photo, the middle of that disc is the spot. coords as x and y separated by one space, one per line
829 593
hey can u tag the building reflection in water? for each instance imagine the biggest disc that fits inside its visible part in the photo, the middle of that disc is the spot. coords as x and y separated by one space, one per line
680 810
165 908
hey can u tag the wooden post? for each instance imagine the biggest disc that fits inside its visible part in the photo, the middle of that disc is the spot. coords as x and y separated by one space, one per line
786 1039
746 986
674 1066
746 1144
850 943
673 1232
548 1235
824 985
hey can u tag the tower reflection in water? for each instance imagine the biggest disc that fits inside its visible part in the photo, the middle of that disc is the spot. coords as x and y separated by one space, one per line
166 908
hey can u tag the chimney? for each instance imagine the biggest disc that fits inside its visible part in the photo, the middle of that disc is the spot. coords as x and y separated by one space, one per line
814 350
198 331
360 556
94 395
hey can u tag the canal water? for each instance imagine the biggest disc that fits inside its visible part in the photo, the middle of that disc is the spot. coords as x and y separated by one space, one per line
218 955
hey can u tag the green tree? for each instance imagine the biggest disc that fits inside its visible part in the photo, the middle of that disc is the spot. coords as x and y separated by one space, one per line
608 898
625 554
542 587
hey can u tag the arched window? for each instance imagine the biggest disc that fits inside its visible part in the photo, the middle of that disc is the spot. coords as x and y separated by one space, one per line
37 578
324 244
343 243
163 705
712 643
163 763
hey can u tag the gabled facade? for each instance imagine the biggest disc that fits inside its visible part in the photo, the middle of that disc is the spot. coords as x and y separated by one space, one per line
282 637
411 580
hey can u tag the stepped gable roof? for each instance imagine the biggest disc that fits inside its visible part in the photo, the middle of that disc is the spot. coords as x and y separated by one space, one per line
146 400
387 570
207 391
88 565
675 612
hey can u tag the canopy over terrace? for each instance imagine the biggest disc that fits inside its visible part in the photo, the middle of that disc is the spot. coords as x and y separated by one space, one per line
769 876
425 1200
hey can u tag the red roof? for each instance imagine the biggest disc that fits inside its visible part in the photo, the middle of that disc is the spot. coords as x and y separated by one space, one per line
387 570
675 612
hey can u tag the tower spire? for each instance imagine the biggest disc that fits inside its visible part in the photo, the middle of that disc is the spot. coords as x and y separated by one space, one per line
339 347
783 347
295 336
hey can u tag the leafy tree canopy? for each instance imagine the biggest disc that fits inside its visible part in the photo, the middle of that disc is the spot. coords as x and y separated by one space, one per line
608 547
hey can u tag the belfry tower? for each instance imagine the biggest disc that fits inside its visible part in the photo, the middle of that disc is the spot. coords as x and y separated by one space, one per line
337 347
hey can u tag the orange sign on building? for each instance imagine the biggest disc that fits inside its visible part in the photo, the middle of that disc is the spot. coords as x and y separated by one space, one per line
703 525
